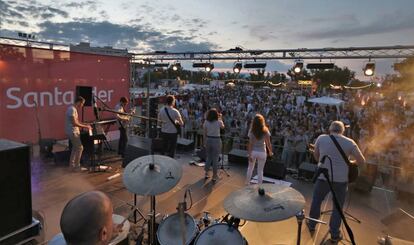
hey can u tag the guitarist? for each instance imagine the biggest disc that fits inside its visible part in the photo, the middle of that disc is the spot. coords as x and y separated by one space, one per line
123 121
325 145
171 126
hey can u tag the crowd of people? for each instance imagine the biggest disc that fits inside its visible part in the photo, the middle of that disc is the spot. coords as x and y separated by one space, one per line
294 123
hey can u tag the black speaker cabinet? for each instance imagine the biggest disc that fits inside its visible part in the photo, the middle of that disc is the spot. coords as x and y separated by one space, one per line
185 144
15 187
238 156
274 169
137 147
86 93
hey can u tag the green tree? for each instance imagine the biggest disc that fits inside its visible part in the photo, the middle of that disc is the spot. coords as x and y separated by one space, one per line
336 76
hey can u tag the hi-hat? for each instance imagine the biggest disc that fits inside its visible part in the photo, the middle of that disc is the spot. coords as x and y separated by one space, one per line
152 175
264 203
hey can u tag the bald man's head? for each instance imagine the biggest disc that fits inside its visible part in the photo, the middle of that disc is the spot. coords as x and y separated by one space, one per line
87 219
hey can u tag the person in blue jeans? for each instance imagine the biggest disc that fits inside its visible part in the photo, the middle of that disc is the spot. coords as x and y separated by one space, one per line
338 174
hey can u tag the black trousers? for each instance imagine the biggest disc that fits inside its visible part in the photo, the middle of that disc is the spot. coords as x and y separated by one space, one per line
123 141
170 143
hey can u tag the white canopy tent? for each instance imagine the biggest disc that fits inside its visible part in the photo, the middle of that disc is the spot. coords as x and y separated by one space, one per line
325 100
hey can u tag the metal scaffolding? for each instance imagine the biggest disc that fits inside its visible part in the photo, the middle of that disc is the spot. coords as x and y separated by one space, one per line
238 54
384 52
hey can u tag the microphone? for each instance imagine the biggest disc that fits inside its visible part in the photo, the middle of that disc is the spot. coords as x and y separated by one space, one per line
319 169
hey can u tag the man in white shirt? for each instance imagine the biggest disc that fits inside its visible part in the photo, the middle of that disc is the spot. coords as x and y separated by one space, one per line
123 121
72 130
170 119
324 146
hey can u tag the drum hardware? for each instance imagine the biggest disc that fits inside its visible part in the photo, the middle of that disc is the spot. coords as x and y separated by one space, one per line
181 208
300 217
152 175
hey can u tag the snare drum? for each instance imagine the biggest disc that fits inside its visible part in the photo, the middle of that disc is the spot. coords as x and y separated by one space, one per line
222 234
169 230
122 237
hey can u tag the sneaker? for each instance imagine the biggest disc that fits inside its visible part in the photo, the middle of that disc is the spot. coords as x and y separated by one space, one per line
206 176
336 239
215 178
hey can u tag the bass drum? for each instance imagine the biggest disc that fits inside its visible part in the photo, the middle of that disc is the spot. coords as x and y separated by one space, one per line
222 234
169 230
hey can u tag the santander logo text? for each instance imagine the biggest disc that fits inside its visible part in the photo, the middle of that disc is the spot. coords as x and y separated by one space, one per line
16 98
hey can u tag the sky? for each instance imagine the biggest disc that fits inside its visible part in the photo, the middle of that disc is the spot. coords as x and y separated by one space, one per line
199 25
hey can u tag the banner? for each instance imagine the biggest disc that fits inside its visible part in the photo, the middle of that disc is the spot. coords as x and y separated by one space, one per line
38 85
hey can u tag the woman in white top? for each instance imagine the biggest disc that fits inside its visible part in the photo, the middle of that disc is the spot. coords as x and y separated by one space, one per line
212 141
259 141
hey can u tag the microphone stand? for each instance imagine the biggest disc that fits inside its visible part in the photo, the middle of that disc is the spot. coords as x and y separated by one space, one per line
325 173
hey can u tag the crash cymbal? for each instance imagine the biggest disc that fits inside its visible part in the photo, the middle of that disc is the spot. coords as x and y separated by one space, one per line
152 175
268 203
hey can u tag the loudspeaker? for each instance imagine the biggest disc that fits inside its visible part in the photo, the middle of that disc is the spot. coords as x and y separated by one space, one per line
15 187
238 156
274 169
307 170
157 145
185 144
137 147
86 93
62 157
366 180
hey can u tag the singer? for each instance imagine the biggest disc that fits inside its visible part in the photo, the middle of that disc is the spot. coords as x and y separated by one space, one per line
338 174
123 121
72 130
212 141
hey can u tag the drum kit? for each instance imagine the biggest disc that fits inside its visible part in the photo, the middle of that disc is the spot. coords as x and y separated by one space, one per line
155 174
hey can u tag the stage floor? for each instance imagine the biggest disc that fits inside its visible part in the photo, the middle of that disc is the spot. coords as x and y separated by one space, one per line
54 185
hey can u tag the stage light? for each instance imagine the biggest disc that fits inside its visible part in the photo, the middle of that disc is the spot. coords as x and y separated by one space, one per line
320 66
161 64
176 66
379 85
297 68
237 67
250 65
369 69
209 67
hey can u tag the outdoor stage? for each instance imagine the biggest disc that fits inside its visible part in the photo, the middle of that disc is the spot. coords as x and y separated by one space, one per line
53 186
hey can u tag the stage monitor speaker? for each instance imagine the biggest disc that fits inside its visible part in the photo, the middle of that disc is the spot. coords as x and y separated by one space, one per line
86 93
185 144
137 147
307 170
238 156
274 169
15 187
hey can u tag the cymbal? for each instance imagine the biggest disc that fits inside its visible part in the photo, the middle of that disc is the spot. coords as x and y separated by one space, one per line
268 203
152 175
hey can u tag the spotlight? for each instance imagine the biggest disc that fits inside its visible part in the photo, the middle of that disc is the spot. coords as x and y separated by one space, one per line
206 65
261 65
369 69
237 67
379 85
297 68
209 67
176 66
